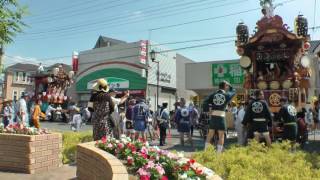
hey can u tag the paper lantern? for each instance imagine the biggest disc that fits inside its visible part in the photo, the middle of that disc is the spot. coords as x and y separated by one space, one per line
55 71
71 74
287 84
242 33
65 98
44 93
306 45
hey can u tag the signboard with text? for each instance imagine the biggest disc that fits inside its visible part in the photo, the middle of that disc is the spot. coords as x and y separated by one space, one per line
231 72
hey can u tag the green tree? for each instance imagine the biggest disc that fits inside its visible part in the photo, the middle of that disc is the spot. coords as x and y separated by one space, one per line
11 14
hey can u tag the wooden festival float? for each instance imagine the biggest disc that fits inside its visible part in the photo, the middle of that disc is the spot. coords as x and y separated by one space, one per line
52 86
275 59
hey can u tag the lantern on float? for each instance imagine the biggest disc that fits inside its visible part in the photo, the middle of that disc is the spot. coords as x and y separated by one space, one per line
55 71
242 33
301 26
75 61
71 74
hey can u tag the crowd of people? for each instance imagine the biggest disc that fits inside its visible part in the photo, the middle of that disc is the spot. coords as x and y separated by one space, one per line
113 116
254 120
27 112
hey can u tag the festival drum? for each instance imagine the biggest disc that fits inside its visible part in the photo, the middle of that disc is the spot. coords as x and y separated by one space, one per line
262 85
274 85
245 62
287 84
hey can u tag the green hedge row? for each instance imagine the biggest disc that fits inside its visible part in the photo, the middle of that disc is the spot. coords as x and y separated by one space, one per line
70 141
259 162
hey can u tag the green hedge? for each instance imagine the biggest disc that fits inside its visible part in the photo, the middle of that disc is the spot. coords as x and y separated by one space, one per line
70 141
259 162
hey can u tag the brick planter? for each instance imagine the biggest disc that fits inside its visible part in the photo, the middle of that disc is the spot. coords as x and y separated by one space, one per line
94 163
30 154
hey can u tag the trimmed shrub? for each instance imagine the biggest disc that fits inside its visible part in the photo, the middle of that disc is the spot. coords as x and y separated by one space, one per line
70 141
259 162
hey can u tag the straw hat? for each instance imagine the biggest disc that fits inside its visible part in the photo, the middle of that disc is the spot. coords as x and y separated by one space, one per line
6 100
101 83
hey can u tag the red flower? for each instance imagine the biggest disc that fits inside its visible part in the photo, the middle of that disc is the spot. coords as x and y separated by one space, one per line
144 178
198 171
192 161
144 155
104 139
129 160
186 167
164 178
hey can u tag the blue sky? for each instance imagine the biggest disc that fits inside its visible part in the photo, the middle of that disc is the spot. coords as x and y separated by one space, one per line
49 35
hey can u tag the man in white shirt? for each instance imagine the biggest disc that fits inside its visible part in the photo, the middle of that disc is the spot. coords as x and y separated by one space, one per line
241 132
23 113
49 111
76 120
115 115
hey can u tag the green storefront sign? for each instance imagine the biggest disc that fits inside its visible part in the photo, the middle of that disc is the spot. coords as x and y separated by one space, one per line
231 72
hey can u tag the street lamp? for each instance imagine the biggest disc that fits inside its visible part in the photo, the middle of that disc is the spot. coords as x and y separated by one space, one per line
153 58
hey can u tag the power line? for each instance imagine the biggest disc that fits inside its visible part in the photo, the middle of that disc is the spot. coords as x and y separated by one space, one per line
59 10
104 21
83 12
212 18
134 55
150 18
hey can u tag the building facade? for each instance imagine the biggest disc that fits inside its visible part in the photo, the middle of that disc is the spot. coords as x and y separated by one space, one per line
18 80
128 66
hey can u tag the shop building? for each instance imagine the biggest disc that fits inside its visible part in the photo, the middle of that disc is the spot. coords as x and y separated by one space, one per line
128 66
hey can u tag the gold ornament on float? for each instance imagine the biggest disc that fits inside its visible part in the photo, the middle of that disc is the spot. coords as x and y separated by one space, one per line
262 85
274 85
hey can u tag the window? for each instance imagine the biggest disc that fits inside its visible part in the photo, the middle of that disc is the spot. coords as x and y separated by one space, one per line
20 76
24 77
17 76
21 93
14 95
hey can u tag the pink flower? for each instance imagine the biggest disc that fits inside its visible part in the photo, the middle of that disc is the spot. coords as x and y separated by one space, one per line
110 145
144 150
149 165
160 169
143 172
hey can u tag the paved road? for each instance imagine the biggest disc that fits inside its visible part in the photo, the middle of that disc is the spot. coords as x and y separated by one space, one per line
68 172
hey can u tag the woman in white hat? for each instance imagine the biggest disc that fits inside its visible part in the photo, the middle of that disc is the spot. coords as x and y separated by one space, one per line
102 107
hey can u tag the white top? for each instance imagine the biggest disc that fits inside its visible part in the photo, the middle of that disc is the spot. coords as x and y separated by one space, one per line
49 110
76 119
115 113
240 117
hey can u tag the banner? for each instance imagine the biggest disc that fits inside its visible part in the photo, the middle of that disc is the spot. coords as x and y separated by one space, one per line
231 72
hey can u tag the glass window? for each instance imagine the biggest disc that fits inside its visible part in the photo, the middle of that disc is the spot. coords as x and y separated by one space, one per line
24 77
17 76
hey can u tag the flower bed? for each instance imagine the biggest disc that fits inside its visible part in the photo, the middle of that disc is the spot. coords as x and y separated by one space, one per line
150 162
29 150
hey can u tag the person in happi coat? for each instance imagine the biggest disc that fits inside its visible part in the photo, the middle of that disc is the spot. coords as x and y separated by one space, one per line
258 116
288 116
218 102
140 118
184 121
102 107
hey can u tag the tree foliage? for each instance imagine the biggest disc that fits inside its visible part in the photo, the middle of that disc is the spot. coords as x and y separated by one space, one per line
11 15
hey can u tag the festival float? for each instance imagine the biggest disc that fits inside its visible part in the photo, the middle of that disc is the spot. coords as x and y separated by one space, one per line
275 59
